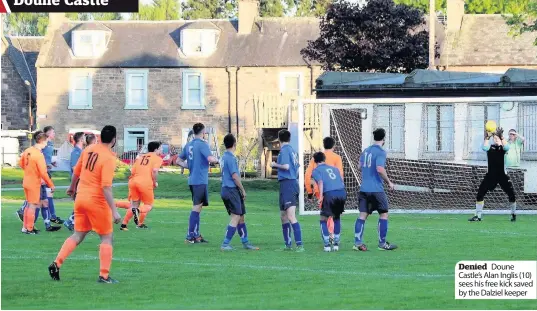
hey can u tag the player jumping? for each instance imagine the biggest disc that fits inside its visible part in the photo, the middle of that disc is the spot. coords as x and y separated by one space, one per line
332 198
332 159
233 195
142 182
94 206
496 174
287 177
196 156
372 196
33 163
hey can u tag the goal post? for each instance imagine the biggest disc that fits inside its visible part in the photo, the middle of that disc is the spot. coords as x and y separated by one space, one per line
433 144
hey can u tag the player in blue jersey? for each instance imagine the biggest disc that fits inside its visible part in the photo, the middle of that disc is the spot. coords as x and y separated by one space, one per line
372 196
233 195
80 141
48 152
196 156
287 166
332 198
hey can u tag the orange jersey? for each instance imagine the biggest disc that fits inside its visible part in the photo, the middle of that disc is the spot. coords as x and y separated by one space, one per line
332 159
142 170
95 169
33 163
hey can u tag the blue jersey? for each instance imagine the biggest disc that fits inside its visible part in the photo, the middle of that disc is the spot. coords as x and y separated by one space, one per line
372 157
288 156
330 176
75 155
48 151
196 153
229 166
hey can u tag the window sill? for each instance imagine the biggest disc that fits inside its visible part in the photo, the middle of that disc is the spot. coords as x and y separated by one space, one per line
136 108
193 107
80 107
437 155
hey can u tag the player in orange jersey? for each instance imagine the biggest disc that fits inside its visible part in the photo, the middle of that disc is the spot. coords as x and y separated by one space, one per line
142 182
332 159
33 163
95 208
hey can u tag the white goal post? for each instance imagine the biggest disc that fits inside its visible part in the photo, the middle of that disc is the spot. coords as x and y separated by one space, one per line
433 159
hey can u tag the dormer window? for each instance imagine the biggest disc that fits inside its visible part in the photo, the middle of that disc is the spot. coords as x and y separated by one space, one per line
88 43
199 42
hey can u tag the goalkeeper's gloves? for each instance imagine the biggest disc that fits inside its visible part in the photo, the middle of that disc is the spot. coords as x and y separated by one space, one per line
499 132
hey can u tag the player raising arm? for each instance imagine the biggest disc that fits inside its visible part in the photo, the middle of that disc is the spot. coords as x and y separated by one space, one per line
33 163
142 182
94 205
372 196
332 159
332 198
495 175
287 177
233 195
196 156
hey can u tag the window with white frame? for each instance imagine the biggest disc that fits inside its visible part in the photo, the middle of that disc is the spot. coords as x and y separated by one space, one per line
135 138
88 43
291 83
193 90
392 119
136 89
439 128
478 115
80 91
528 127
199 42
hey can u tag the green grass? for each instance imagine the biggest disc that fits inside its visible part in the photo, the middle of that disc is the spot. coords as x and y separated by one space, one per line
158 271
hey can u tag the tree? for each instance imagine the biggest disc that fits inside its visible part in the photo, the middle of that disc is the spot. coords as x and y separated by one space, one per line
381 37
315 8
271 8
524 22
196 9
26 24
94 16
423 5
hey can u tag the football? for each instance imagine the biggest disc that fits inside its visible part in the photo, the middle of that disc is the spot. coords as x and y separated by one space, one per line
490 126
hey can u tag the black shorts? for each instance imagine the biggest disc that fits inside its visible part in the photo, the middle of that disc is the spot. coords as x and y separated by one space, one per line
289 192
43 192
200 194
373 201
333 203
233 201
489 183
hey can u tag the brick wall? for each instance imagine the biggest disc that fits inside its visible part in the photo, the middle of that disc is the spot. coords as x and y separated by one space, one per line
164 117
14 97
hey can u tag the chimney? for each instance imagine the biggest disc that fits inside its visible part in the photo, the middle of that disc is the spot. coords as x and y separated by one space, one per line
55 20
248 11
455 13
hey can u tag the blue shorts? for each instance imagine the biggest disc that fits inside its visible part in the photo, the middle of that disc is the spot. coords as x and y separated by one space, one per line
233 201
333 203
289 192
373 201
43 194
200 194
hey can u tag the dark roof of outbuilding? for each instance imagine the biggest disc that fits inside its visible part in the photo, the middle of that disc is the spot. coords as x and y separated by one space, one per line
23 53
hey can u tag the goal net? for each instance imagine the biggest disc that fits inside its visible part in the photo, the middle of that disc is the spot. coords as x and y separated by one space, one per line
435 157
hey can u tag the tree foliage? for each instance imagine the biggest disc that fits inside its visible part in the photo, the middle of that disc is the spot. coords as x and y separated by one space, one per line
196 9
474 6
381 37
159 10
271 8
315 8
524 22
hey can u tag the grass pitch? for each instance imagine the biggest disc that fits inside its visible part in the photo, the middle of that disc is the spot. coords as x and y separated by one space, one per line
158 271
